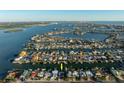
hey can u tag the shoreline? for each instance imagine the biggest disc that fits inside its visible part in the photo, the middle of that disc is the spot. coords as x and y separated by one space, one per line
34 53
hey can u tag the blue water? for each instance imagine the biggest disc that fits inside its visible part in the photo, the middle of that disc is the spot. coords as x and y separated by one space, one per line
12 43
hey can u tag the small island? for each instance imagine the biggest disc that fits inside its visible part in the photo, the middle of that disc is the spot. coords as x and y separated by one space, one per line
13 30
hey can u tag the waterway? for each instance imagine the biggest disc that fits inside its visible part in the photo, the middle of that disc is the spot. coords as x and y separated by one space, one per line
12 43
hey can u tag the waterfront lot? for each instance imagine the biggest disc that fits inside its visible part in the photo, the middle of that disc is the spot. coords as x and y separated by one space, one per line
53 58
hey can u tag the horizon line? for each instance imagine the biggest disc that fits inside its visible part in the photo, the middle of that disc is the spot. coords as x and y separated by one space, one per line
65 21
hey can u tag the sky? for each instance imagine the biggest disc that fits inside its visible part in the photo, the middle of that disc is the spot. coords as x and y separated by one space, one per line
61 15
